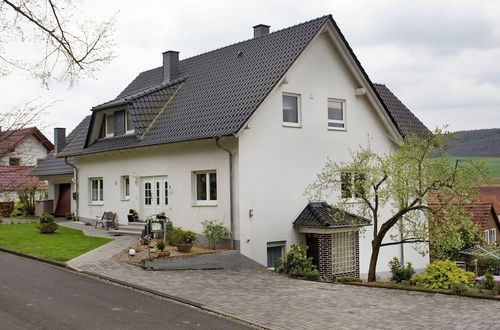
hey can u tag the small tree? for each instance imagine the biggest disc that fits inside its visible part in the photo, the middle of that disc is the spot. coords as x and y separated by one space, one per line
215 232
393 190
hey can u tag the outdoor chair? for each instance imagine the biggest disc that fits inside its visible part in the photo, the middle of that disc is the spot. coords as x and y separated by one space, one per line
107 219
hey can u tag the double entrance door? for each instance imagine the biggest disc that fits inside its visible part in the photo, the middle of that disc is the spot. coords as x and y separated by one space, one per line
154 195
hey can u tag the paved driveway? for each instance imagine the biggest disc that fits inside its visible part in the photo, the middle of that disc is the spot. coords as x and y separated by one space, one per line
274 301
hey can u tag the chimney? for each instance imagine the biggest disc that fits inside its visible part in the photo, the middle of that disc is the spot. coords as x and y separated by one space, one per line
59 139
170 66
260 30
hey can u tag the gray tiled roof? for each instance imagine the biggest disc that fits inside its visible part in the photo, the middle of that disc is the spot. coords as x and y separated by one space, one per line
56 166
216 93
322 215
406 122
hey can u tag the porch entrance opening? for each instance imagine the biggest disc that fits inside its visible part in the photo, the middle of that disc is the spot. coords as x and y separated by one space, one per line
312 248
154 196
63 206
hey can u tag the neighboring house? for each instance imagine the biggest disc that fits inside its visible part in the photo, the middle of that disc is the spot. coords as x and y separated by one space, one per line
19 152
485 217
59 172
490 194
235 135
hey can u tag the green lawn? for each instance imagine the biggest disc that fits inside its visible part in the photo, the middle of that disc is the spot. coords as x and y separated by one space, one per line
492 163
65 244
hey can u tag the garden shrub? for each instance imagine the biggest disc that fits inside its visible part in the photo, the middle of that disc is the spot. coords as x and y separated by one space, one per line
488 282
47 224
179 236
215 232
347 279
400 272
19 210
459 288
441 274
295 263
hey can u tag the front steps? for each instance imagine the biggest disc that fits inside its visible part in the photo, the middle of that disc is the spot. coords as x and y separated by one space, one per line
132 228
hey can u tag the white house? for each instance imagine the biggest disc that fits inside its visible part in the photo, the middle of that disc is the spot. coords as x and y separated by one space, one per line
235 135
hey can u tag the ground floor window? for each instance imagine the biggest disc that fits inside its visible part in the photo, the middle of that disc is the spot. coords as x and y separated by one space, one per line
125 187
275 251
96 190
343 252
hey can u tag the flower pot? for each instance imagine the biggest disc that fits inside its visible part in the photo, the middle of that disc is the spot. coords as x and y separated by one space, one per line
184 247
163 254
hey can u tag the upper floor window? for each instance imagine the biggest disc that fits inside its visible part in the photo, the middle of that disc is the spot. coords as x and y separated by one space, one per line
205 187
129 127
493 236
487 236
352 185
291 110
96 191
14 161
336 114
110 124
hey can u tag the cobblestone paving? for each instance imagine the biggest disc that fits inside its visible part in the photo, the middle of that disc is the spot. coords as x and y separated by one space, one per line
274 301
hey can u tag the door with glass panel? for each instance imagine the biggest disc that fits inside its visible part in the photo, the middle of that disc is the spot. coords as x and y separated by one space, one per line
154 195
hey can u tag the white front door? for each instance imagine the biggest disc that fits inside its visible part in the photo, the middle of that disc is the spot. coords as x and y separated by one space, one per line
154 195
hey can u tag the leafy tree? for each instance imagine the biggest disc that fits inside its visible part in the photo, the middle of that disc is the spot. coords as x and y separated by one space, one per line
393 191
62 42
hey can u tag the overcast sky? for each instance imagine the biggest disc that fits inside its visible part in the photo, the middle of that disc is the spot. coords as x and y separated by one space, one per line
441 58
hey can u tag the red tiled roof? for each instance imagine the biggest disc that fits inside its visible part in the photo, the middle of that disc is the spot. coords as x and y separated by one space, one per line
16 178
491 199
10 139
480 213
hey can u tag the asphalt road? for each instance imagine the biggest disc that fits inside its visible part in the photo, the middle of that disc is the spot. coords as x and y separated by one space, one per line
34 295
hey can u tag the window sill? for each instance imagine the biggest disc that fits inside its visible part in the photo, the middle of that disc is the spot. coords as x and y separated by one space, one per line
96 204
204 203
337 129
292 125
125 199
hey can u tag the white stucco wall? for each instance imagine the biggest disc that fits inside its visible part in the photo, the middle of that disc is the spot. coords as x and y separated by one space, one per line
176 162
277 162
28 150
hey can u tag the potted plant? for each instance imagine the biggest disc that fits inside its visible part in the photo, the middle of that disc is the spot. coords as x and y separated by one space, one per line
160 247
182 239
133 215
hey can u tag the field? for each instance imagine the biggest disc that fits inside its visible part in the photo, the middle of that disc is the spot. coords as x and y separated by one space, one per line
492 163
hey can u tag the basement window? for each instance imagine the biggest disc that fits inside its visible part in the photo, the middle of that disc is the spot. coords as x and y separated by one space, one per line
275 251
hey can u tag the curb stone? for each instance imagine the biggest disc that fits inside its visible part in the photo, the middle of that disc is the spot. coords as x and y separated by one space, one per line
138 287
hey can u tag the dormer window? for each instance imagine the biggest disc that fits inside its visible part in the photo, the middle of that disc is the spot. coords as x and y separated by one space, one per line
129 127
110 124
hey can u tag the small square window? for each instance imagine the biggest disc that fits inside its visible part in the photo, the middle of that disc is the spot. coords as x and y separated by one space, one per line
14 161
205 187
275 251
336 114
291 110
125 183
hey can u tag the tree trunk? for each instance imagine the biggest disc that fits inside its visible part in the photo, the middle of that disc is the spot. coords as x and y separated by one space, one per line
372 271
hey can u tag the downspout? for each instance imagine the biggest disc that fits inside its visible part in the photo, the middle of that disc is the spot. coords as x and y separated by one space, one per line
231 198
75 175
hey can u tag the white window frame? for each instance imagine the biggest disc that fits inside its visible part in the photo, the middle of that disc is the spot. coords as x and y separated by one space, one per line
487 236
106 121
123 181
298 124
493 236
281 244
344 112
128 130
100 191
208 201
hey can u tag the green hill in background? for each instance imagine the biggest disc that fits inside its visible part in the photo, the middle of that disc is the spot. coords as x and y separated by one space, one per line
476 143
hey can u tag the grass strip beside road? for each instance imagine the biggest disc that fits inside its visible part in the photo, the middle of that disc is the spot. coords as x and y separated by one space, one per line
65 244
